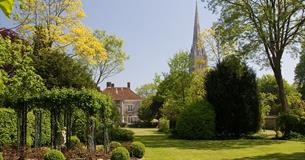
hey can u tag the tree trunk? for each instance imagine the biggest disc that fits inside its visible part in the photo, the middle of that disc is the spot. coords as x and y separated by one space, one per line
68 125
38 118
106 139
22 126
91 135
55 133
282 93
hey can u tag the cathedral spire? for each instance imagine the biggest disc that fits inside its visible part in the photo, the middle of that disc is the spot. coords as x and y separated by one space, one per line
198 55
196 26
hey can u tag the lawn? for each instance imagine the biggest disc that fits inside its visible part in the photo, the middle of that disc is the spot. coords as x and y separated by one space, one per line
160 147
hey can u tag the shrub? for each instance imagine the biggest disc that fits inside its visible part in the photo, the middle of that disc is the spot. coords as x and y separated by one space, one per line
74 141
54 155
196 122
164 125
113 145
137 149
1 157
232 90
8 127
290 123
119 134
120 153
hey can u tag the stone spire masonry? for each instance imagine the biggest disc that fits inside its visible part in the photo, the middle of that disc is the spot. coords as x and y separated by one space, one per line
198 54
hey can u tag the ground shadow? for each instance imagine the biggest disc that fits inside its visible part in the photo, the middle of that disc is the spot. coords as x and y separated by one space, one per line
158 141
277 156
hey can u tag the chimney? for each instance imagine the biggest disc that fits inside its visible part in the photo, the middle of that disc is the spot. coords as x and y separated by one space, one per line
128 85
108 84
112 85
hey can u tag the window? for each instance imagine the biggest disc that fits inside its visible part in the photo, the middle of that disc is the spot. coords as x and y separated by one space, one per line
130 119
130 108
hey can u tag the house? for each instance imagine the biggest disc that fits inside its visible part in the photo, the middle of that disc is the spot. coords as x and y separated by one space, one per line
127 101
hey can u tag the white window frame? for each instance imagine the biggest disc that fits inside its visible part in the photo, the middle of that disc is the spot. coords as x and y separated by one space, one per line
131 109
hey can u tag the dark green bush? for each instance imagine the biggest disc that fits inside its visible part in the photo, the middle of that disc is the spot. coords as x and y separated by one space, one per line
54 155
113 145
74 141
232 90
137 149
120 134
120 153
164 125
289 123
197 121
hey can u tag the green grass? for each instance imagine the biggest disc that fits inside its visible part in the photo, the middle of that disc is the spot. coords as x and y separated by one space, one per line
160 147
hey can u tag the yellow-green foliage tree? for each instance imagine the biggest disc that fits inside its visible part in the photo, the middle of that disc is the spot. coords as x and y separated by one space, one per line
6 6
217 47
58 24
116 57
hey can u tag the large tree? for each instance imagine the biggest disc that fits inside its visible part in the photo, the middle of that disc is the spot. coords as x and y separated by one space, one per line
116 57
300 75
61 71
56 24
6 6
179 87
267 28
232 90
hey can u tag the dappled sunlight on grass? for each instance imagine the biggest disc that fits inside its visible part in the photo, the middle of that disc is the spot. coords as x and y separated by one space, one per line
160 147
277 156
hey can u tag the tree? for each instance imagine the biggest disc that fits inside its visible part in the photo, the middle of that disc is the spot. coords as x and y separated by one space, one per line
215 45
232 90
7 6
266 28
174 88
300 76
147 90
116 57
21 83
56 25
61 71
152 101
145 112
268 90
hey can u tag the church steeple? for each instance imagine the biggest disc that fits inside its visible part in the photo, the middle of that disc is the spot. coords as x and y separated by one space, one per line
198 54
196 26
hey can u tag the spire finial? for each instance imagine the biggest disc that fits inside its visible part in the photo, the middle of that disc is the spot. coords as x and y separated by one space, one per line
196 24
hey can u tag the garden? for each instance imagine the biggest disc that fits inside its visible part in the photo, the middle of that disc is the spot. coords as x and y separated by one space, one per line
52 108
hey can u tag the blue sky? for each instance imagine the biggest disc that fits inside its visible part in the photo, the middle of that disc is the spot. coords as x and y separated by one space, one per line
153 31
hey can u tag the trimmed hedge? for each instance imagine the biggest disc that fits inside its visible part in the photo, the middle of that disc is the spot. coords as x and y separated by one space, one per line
120 153
119 134
137 149
113 145
8 126
54 155
197 121
164 125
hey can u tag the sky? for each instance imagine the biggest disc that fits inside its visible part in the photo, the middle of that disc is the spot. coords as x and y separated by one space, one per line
153 31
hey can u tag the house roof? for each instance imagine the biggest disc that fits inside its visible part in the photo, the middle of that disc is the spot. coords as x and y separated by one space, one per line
121 93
